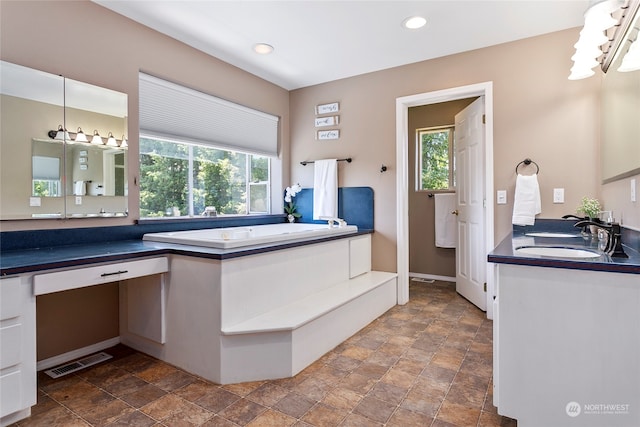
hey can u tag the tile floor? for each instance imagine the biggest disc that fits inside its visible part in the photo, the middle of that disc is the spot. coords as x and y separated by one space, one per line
427 363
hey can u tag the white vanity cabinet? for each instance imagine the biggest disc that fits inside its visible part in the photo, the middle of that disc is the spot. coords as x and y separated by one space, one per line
567 346
17 349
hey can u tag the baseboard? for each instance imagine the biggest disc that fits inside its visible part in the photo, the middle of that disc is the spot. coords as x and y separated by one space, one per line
432 277
76 354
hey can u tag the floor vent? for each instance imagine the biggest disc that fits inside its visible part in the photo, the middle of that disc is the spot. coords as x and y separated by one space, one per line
70 367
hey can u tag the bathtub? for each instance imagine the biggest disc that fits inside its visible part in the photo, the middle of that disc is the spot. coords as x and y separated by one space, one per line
236 237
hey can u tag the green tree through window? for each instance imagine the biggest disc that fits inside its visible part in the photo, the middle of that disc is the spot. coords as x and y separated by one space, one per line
183 179
435 163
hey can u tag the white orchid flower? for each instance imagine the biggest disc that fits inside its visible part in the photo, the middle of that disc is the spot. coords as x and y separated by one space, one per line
287 198
296 188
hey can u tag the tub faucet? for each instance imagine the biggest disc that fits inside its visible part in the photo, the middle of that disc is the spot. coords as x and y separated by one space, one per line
332 221
210 211
614 237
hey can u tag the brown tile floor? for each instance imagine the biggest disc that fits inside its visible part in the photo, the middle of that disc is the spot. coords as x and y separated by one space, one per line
427 363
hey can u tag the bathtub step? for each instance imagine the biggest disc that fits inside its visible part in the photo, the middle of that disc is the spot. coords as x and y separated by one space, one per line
284 341
303 311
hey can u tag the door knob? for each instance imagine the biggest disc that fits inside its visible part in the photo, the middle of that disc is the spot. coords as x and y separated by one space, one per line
455 212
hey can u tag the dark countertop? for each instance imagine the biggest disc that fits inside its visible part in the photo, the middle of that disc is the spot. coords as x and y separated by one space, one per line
46 258
505 252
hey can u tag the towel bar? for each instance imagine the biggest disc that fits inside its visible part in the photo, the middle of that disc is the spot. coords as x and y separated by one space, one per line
348 160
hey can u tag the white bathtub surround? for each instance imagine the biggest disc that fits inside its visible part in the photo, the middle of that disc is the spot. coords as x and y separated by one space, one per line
268 315
234 237
325 188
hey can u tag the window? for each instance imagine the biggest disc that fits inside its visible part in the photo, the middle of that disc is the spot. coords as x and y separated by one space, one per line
435 155
46 177
180 178
199 151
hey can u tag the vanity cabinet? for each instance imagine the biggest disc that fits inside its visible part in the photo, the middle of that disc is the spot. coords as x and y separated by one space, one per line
18 366
17 349
566 345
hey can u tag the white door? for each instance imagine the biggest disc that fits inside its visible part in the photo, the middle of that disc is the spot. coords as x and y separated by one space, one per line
471 256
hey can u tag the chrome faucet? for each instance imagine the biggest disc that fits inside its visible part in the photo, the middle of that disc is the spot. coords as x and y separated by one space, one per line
614 237
332 221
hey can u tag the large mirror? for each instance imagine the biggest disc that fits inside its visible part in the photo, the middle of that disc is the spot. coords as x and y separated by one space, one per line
47 172
620 148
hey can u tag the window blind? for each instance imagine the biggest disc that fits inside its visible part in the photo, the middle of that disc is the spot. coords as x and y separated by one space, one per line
169 110
46 168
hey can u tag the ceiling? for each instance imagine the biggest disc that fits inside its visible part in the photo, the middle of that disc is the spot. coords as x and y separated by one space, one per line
317 41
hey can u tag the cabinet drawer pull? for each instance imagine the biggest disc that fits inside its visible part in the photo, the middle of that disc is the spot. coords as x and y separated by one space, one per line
114 273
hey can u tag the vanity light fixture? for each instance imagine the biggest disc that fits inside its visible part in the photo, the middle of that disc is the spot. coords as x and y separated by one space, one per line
597 20
631 61
123 143
262 48
62 134
414 22
111 141
80 136
97 139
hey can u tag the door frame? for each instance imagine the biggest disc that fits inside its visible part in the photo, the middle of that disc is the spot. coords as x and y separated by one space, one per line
402 177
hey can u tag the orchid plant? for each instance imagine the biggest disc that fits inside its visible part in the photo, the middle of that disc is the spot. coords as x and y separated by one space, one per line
290 207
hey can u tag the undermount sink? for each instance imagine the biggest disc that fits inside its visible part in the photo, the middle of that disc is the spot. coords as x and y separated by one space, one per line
550 234
557 252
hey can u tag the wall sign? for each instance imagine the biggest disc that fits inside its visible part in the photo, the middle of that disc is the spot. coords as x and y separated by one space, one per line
328 134
327 121
333 107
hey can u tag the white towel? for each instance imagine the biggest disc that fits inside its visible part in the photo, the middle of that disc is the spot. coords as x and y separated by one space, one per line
80 188
325 188
526 201
446 222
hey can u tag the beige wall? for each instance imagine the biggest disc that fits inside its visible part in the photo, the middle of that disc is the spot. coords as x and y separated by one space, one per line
424 256
538 113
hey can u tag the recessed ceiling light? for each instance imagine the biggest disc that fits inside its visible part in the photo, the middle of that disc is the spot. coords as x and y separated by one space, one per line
414 22
263 48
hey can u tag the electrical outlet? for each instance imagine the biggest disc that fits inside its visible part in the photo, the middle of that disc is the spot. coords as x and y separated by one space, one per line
78 200
34 201
558 195
501 197
633 190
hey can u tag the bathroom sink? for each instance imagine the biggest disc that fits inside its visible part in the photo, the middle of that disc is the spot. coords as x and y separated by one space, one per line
550 234
556 252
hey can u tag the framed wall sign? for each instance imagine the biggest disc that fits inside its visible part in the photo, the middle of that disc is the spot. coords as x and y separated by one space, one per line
328 134
333 107
327 121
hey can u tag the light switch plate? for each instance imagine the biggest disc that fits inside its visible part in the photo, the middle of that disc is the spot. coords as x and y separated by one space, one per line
34 201
633 189
558 195
501 197
78 200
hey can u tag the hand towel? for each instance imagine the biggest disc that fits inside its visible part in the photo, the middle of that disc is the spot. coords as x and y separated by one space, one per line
526 201
446 222
80 188
325 188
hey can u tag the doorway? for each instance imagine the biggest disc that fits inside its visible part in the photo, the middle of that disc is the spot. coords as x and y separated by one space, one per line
402 183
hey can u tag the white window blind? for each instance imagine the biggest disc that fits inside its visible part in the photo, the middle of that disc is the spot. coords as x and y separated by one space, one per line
46 168
168 110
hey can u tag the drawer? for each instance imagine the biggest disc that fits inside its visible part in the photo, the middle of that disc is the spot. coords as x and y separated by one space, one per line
10 302
10 345
11 393
88 276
